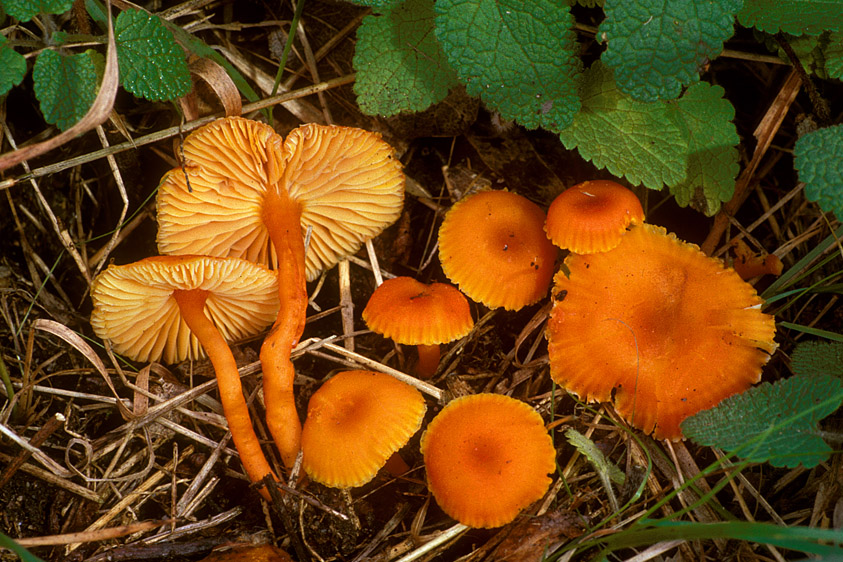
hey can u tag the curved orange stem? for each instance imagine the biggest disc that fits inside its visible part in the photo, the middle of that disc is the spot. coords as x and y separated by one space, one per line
428 360
192 307
282 218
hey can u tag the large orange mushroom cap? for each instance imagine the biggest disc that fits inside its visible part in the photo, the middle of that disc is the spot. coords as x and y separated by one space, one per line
135 309
346 182
492 244
592 216
487 457
414 313
355 422
659 326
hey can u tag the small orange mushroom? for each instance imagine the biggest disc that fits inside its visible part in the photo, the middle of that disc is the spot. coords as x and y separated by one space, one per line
592 216
413 313
246 192
658 327
172 307
487 457
355 422
749 264
492 244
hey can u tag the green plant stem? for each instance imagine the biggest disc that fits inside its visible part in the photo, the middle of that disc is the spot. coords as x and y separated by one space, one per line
7 382
288 45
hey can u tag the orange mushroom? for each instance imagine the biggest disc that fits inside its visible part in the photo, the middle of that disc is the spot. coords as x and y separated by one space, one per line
355 422
173 307
492 244
413 313
657 327
749 264
487 458
244 192
592 216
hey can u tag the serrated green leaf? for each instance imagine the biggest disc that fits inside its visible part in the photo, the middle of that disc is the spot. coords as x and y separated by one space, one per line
657 47
628 137
152 65
816 358
606 469
818 157
24 10
809 49
793 16
519 57
12 67
65 86
705 118
775 423
834 56
400 64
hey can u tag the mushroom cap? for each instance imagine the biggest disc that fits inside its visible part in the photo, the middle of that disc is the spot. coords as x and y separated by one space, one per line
592 216
355 422
346 181
134 306
659 326
413 313
492 244
487 456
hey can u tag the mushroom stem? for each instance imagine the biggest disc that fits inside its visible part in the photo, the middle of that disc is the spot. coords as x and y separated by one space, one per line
428 360
282 217
396 465
192 306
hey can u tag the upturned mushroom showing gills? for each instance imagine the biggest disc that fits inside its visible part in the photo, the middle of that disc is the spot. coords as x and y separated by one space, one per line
355 423
246 192
414 313
657 327
492 244
592 216
487 458
171 308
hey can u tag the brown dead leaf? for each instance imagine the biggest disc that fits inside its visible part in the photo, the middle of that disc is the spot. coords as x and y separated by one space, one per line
262 553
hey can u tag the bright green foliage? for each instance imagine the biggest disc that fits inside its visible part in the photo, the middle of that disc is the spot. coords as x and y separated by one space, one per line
152 65
793 16
775 423
818 157
519 57
815 358
400 64
12 67
834 56
706 120
65 86
657 47
606 469
24 10
631 138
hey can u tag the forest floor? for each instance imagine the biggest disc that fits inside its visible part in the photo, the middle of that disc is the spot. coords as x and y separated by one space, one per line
166 473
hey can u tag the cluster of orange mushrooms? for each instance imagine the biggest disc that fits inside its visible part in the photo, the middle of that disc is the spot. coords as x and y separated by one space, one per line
639 318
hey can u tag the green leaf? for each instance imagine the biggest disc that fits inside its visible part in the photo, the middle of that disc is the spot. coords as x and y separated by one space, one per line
24 10
12 67
23 554
65 86
706 121
775 423
818 157
606 469
834 56
519 57
657 47
793 16
400 64
152 65
817 358
628 137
